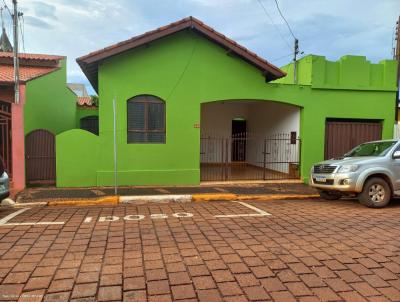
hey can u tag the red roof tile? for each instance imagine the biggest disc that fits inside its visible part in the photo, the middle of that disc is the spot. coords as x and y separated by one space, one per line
89 63
84 101
32 56
27 73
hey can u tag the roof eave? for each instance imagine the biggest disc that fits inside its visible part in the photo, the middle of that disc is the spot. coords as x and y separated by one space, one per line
91 60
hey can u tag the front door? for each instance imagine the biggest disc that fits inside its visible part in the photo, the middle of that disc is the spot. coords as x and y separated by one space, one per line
40 157
239 128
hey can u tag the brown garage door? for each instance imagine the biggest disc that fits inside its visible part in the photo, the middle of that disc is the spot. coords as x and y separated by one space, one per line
343 135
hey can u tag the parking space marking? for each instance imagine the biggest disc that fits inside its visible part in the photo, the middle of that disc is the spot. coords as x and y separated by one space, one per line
260 213
3 222
12 215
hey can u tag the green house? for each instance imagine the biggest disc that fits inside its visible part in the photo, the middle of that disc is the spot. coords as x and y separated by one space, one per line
185 104
28 125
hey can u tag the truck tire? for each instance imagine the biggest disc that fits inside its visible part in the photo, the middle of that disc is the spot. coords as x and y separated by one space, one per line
376 193
329 195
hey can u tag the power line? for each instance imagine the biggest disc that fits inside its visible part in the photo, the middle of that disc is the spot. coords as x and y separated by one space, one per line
184 69
282 57
284 19
273 23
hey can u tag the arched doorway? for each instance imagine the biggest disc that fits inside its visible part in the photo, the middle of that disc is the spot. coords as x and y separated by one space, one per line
249 140
90 123
40 157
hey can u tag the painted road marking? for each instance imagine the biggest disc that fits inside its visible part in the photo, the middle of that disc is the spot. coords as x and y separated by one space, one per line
3 222
12 215
260 213
137 217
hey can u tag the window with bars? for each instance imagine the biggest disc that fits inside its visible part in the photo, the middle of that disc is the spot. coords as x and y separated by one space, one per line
146 120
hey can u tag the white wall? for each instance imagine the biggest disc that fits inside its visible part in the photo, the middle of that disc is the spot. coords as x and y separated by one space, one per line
215 124
270 120
216 117
265 119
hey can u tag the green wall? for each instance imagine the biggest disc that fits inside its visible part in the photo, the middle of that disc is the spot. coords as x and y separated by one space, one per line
186 70
84 112
86 155
49 103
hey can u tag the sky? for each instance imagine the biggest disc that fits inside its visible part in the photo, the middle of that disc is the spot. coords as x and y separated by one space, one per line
332 28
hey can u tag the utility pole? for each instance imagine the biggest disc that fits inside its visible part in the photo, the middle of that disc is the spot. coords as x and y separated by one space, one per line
296 52
16 60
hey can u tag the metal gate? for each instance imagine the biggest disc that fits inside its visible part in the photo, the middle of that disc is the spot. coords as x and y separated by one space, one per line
5 136
40 157
275 157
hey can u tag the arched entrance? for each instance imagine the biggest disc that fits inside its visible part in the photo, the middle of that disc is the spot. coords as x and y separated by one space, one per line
5 136
40 157
90 123
249 140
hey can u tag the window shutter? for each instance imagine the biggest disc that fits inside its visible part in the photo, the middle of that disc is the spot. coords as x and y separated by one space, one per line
136 113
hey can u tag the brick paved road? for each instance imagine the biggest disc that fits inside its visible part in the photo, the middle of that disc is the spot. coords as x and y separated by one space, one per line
306 251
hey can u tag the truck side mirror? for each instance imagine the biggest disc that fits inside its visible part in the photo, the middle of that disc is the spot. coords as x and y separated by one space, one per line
396 155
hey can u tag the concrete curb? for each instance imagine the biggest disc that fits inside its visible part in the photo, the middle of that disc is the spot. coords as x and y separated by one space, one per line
114 200
251 197
155 198
110 200
215 197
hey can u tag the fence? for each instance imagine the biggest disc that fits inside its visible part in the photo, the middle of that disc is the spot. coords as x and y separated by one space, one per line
248 156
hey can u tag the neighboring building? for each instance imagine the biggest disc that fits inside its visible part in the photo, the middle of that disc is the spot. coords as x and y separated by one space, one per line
87 109
87 114
79 89
193 105
28 127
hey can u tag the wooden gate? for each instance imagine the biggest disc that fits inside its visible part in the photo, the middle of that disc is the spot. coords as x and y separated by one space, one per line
5 136
40 157
343 135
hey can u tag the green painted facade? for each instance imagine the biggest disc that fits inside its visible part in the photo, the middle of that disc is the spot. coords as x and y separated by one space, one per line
186 70
50 104
82 112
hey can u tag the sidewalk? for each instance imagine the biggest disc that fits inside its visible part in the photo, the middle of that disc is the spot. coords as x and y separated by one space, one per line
249 189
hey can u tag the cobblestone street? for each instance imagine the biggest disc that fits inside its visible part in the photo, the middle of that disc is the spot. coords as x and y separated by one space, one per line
279 251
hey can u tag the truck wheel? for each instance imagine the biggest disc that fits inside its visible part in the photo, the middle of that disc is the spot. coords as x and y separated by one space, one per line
376 193
329 195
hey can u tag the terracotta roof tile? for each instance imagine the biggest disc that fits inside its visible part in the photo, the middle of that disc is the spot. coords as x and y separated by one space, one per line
89 62
32 56
27 73
84 101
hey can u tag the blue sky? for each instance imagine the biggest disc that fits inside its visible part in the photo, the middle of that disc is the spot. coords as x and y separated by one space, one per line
332 28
